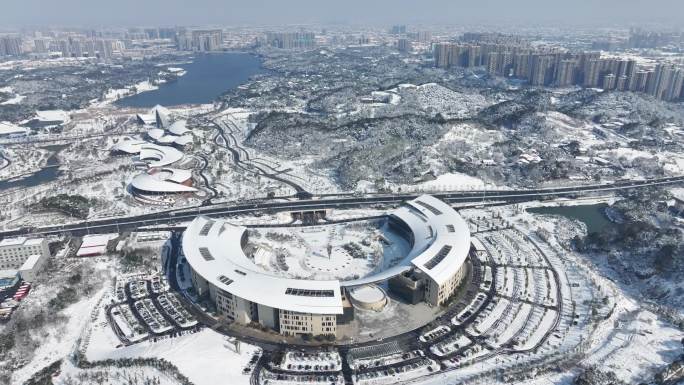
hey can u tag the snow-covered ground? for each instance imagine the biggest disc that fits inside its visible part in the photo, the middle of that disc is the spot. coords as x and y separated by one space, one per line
111 375
203 357
53 115
452 181
60 341
115 94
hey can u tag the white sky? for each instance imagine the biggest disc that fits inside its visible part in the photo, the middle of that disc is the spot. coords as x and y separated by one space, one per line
225 12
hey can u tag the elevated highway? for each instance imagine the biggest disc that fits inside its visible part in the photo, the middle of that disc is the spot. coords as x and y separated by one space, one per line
171 218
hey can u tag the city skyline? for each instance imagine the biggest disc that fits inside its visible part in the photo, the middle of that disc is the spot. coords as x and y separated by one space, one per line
268 12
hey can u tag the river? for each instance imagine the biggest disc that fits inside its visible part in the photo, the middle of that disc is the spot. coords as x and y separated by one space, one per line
207 77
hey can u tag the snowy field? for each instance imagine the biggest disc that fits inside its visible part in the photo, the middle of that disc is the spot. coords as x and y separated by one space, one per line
203 357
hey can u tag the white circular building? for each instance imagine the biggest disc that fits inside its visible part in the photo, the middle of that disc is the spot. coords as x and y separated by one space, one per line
159 156
164 181
154 155
368 297
243 292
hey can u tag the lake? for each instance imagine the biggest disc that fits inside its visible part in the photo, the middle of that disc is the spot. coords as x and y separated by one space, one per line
207 77
46 174
592 215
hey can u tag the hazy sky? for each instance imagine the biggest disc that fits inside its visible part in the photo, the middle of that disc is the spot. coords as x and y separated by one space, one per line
226 12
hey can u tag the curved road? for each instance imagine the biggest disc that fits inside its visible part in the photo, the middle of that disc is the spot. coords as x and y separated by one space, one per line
201 171
238 152
7 162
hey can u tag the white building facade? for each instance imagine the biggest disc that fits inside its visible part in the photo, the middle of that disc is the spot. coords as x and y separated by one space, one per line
243 293
15 251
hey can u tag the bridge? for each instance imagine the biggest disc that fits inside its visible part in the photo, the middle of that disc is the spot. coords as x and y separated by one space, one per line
171 218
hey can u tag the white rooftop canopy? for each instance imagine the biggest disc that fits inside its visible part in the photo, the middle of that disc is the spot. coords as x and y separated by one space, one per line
213 249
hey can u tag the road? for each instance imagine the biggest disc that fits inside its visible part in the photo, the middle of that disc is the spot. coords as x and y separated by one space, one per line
172 217
242 160
4 161
202 172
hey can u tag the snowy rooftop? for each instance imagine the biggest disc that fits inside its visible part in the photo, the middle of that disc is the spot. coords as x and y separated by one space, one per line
130 146
20 241
441 241
213 249
165 180
155 133
159 156
8 273
30 262
449 233
7 128
97 240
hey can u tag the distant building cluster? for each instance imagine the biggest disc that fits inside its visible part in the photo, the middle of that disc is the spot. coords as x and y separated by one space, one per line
494 38
403 45
68 45
639 38
152 33
79 47
406 40
101 44
10 46
398 30
201 40
291 40
550 67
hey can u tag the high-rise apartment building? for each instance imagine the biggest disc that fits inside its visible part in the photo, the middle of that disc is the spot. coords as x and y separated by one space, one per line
291 40
40 46
403 45
567 70
398 30
541 70
592 72
559 68
10 46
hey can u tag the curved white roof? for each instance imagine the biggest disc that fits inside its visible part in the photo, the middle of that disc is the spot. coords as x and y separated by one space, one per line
449 235
173 174
155 133
179 127
131 146
167 139
441 241
213 248
166 180
159 156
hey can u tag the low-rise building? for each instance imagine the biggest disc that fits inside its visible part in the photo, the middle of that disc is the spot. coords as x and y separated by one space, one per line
8 279
32 266
15 251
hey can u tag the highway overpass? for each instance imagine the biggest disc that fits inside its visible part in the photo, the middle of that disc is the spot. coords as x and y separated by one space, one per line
173 217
